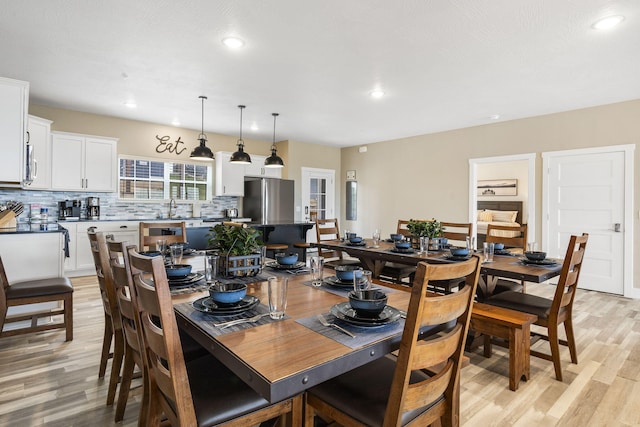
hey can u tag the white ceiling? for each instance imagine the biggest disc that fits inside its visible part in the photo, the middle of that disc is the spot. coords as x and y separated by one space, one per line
443 64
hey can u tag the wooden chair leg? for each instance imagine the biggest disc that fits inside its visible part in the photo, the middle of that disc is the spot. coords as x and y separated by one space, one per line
106 346
116 365
555 350
571 341
68 316
125 384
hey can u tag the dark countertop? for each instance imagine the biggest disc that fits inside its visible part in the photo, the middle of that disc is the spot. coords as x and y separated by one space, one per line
24 228
287 223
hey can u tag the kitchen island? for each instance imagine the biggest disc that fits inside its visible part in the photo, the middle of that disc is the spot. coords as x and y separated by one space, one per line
285 232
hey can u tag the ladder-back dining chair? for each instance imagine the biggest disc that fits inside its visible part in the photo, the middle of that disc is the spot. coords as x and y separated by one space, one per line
422 385
457 232
511 238
552 312
328 229
113 333
202 392
151 232
396 272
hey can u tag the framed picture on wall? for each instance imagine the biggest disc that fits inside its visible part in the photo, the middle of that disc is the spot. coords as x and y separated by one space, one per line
498 187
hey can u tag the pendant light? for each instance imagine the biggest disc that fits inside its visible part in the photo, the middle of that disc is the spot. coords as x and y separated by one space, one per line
240 157
274 161
202 152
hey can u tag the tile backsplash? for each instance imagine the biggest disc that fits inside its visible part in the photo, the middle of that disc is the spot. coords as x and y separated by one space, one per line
113 208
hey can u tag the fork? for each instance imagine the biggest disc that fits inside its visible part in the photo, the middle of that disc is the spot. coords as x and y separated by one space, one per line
333 325
239 321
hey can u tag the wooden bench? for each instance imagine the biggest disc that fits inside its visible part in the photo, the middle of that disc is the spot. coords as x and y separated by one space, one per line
509 325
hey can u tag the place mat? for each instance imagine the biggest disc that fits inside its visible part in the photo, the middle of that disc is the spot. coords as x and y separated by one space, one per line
364 335
207 321
202 285
260 277
344 292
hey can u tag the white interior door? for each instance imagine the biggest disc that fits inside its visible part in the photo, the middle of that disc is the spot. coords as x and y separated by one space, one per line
585 193
318 196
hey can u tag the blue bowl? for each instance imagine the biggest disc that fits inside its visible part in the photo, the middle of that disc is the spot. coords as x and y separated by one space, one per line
227 293
369 303
346 272
459 252
150 253
287 259
355 239
498 246
396 237
178 270
535 255
403 244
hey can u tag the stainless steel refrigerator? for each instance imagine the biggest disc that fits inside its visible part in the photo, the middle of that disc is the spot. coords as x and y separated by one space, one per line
268 200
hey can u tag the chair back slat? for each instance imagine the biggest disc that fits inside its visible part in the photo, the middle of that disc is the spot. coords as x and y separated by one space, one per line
167 371
443 350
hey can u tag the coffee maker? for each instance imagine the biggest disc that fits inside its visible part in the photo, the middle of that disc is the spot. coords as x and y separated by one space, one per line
69 210
93 207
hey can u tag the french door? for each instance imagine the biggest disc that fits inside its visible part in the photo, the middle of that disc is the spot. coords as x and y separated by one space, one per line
318 195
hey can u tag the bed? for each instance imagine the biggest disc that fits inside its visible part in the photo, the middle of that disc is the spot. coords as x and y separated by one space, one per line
498 212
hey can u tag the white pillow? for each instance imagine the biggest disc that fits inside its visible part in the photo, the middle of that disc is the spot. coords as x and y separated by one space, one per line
504 216
485 216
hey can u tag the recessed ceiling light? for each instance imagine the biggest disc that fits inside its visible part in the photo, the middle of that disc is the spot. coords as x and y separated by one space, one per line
608 22
494 116
233 42
175 122
377 93
130 104
254 127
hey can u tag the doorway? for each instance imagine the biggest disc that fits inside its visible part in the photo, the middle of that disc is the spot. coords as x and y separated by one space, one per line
318 196
590 191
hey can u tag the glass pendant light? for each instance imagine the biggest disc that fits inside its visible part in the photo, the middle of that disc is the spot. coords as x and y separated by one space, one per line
240 157
274 161
202 152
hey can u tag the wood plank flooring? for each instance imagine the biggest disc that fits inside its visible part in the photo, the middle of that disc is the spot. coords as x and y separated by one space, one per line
45 381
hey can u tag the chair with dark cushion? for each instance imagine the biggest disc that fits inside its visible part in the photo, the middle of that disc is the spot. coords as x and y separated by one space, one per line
396 271
552 312
32 292
422 385
328 229
202 392
504 234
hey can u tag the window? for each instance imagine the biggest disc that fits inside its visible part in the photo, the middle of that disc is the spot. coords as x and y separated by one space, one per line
142 179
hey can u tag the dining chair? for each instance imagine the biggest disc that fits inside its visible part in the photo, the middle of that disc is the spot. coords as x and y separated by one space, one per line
457 232
328 229
507 236
202 392
151 232
552 312
52 289
113 333
422 385
396 272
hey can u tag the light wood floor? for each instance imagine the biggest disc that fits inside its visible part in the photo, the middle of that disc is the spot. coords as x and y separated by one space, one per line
47 382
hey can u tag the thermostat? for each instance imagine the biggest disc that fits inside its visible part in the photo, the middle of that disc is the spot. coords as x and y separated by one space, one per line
351 174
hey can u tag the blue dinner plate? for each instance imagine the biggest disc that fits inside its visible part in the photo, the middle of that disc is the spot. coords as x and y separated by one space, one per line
346 313
209 306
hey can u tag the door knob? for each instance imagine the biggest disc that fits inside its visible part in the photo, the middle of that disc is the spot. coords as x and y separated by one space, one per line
616 227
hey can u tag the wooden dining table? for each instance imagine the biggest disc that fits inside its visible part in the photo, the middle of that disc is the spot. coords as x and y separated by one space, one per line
506 266
283 358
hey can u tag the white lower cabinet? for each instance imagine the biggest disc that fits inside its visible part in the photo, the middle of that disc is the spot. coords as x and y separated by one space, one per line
80 261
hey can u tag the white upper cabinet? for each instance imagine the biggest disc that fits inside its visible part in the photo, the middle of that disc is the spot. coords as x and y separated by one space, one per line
14 105
230 177
39 160
256 168
83 162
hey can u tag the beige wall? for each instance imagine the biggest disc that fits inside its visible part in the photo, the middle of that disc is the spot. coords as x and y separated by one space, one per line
428 175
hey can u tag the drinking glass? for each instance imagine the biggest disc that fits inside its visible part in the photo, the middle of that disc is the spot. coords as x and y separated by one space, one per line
424 245
488 251
277 296
471 243
263 257
364 283
376 238
532 247
210 267
161 246
317 266
176 253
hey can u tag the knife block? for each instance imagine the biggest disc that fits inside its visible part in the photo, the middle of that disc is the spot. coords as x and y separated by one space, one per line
7 219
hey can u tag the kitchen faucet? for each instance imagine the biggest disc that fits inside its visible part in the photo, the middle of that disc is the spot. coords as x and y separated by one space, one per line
172 207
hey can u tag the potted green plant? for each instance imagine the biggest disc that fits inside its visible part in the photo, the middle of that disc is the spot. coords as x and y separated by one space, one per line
239 249
431 229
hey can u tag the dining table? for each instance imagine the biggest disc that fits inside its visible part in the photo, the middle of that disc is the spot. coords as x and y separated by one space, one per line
508 265
282 358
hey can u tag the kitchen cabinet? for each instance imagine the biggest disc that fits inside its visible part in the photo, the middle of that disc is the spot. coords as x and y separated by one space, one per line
256 168
39 139
83 162
80 261
14 105
229 176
